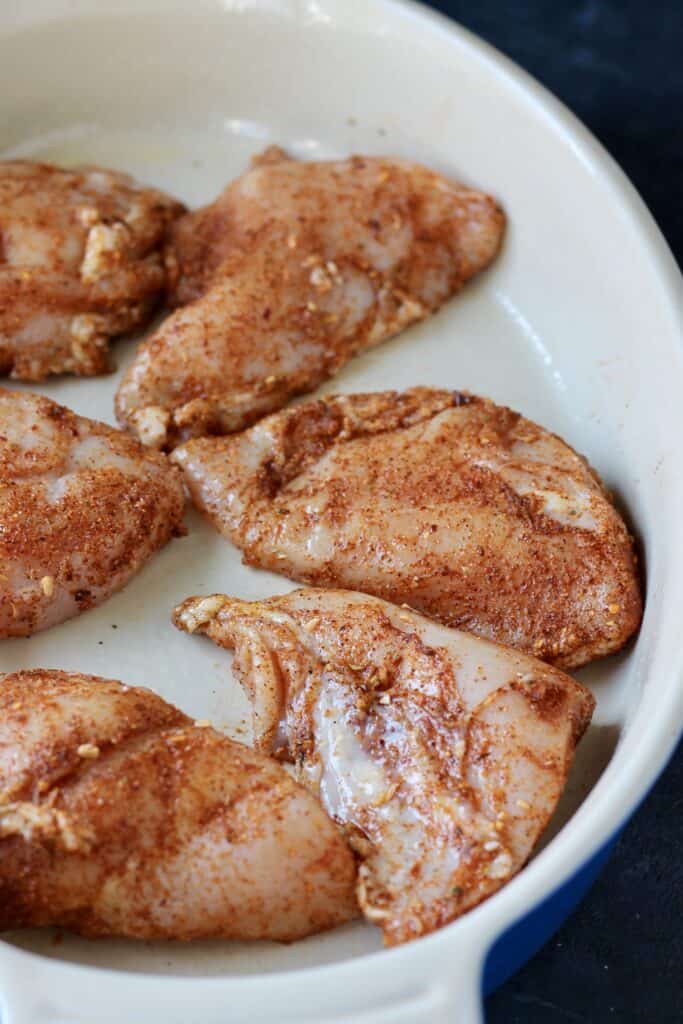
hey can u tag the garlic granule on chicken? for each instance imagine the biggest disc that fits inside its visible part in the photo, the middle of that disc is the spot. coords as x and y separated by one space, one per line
441 755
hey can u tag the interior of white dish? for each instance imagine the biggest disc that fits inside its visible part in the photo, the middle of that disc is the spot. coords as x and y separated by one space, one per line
554 329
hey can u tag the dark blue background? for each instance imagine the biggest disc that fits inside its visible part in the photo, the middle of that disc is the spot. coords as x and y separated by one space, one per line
619 67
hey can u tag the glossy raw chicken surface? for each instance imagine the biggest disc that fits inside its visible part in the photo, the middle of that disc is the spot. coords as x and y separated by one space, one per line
120 816
80 262
290 272
461 508
442 755
82 508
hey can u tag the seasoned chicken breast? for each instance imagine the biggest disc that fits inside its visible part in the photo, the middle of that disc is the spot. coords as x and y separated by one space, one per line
120 816
80 262
458 507
82 508
440 754
294 269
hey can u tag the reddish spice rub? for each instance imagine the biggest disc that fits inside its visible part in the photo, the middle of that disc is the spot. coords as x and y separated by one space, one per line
119 816
447 502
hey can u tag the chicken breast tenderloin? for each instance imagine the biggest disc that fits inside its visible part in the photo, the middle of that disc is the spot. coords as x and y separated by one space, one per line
119 816
441 755
80 262
82 508
458 507
291 271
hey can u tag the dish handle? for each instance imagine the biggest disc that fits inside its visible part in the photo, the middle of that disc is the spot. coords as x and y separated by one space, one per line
436 1006
438 984
450 993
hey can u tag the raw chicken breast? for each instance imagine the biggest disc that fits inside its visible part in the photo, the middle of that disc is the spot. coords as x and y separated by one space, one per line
440 754
82 508
458 507
120 816
80 262
294 269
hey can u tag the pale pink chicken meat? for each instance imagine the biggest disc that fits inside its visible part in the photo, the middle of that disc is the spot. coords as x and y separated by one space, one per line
458 507
80 262
120 816
290 272
82 507
440 754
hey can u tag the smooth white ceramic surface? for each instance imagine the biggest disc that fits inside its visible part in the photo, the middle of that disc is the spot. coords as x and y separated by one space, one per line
578 325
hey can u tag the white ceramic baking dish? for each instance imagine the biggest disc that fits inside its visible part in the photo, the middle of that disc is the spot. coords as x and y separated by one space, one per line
579 325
